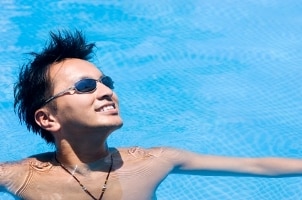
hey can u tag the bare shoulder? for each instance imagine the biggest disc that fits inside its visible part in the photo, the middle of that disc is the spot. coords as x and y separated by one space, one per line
169 154
38 159
158 161
137 152
17 170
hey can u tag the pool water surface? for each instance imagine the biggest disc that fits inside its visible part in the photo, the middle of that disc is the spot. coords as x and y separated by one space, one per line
214 77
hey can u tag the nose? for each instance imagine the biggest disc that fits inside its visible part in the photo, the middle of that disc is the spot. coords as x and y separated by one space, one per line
102 91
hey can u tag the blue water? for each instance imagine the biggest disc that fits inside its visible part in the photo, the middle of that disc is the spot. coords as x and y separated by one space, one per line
215 77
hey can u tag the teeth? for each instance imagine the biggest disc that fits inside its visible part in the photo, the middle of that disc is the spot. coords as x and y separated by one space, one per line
105 108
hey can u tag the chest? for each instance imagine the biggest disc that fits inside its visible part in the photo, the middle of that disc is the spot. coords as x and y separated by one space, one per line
134 180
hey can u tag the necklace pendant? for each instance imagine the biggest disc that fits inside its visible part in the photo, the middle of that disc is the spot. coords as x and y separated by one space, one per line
104 188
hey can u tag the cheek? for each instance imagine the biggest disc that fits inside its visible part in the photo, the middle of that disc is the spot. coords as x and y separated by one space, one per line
78 101
74 104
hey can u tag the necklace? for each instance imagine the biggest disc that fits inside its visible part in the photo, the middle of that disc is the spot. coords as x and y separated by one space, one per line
82 186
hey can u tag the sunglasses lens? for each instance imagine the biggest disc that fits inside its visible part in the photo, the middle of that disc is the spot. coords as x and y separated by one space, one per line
106 80
85 85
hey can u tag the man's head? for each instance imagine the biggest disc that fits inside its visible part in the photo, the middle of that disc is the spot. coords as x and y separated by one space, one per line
62 63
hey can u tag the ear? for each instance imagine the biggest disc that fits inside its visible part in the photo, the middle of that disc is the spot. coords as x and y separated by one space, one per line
46 120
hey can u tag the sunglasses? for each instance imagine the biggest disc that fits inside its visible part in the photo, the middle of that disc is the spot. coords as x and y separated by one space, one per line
86 85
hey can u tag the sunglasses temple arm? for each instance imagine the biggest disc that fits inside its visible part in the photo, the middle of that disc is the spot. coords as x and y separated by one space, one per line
59 94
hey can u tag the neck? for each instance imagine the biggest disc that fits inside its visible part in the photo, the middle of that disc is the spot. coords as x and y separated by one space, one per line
80 146
81 153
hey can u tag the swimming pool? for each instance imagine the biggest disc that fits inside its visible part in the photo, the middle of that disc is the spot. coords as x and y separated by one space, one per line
213 77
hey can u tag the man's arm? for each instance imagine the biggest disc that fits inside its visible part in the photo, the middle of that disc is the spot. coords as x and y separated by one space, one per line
189 162
2 174
13 175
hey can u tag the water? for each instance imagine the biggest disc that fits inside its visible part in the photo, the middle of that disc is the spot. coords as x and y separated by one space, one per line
208 76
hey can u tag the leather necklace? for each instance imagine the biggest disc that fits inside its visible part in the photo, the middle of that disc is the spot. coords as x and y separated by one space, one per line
82 186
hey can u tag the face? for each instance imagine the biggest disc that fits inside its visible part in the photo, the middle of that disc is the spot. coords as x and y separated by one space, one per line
93 111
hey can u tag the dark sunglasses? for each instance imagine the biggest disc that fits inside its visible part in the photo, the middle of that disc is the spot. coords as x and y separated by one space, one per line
84 86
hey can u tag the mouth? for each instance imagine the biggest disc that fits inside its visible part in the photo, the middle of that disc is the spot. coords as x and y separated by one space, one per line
106 108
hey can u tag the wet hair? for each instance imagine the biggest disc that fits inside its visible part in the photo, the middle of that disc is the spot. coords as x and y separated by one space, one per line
34 85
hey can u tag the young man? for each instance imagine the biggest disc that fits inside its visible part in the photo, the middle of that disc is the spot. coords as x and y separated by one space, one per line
71 104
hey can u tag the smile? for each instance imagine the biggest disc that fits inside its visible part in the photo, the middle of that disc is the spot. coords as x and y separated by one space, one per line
106 108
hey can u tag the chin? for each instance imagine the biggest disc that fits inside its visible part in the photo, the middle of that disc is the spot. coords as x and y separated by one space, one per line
113 126
118 125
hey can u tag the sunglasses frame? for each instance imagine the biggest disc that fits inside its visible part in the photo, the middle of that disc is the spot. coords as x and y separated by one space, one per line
104 80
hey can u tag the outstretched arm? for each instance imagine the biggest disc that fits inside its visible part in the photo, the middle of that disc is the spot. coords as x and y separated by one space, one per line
13 174
1 174
188 162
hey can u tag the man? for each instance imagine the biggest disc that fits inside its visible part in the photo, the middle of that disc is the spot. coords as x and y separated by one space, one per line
71 104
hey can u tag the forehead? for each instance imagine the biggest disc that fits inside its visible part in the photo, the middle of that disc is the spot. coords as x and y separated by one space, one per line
73 69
